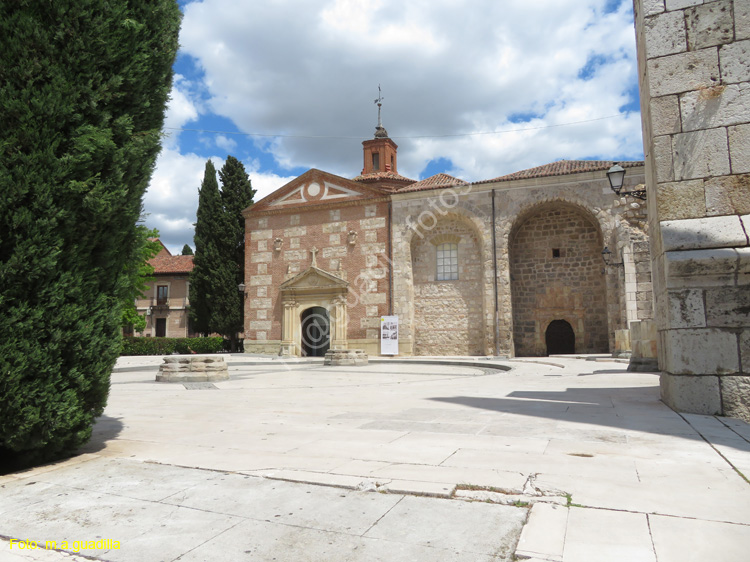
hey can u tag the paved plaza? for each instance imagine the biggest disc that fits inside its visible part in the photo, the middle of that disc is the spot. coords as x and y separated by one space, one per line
560 459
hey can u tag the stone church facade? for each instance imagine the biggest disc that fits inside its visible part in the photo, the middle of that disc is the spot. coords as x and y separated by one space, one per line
510 266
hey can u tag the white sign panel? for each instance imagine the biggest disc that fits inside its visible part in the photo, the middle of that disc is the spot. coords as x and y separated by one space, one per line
389 335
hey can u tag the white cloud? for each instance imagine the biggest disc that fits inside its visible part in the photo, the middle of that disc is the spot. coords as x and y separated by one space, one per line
530 71
172 197
447 67
224 142
181 109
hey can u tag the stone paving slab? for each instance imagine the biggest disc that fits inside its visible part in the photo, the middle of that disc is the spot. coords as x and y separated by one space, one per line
694 540
210 471
208 515
615 536
543 537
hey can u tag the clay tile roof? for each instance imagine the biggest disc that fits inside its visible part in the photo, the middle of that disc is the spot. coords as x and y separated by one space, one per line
381 176
434 182
172 264
562 168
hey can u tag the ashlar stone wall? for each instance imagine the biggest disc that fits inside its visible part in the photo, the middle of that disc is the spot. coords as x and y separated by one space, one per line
622 292
694 75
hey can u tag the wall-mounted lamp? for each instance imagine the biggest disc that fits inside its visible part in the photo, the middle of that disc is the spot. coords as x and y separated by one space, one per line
616 177
277 243
352 238
241 287
607 257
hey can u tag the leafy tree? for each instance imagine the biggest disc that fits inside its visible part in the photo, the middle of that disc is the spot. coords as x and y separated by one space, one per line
220 251
139 274
187 250
83 89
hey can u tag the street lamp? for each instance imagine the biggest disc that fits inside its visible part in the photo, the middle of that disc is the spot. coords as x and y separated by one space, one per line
607 257
616 177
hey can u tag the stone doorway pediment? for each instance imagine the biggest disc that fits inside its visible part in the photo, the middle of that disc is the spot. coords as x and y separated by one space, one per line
314 281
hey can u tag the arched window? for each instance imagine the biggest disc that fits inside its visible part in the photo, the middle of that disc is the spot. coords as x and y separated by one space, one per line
447 262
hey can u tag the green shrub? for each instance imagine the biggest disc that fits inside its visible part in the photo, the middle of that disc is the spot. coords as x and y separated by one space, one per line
168 346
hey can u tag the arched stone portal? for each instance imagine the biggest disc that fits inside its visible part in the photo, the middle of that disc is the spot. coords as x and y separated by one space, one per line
316 331
315 314
556 272
560 338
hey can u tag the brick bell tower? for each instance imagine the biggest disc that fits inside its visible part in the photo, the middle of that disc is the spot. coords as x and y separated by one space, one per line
380 152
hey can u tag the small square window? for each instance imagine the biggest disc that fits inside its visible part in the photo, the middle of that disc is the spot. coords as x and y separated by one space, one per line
447 262
555 252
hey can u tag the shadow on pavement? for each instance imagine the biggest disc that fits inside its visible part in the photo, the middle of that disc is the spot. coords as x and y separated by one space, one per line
632 409
105 428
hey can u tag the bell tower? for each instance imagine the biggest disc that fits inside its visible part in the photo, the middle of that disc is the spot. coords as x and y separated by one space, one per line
380 153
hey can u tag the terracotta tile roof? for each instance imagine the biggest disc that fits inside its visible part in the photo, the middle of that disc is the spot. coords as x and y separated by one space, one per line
171 264
562 168
434 182
381 176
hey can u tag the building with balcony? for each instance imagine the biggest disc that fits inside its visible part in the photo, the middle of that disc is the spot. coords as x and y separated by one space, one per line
167 300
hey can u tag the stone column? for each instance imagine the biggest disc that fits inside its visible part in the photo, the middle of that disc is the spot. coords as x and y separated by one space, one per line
287 328
339 322
695 104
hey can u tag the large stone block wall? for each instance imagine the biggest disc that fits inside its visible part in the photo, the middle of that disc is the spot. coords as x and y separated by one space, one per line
448 317
694 78
618 221
556 274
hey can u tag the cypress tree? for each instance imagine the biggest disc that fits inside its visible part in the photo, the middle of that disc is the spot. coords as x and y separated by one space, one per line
83 89
187 250
208 229
236 195
216 305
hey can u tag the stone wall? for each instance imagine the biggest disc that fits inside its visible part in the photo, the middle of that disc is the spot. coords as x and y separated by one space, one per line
556 274
448 314
695 104
619 221
461 314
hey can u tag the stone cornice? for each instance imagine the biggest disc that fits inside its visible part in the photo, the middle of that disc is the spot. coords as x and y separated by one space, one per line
249 213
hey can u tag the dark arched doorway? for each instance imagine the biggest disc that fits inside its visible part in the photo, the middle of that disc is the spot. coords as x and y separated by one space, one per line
316 330
560 338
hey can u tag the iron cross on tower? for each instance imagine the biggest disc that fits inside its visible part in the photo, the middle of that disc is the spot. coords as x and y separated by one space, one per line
379 101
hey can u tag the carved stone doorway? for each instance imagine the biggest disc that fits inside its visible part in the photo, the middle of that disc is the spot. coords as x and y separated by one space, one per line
313 333
560 338
316 331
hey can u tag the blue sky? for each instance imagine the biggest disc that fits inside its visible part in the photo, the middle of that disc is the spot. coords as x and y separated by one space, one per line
472 88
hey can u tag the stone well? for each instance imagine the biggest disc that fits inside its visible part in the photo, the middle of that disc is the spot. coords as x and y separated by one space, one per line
193 369
343 357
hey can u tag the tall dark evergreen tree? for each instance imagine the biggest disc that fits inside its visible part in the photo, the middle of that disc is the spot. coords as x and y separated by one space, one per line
208 228
83 89
236 195
216 303
187 250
